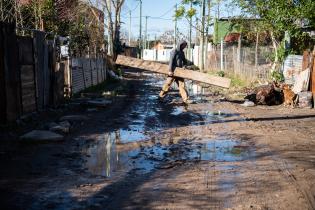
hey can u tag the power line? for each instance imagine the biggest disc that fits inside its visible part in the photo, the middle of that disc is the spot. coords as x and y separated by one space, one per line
131 10
167 11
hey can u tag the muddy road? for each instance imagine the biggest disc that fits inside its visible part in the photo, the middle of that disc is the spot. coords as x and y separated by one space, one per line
140 153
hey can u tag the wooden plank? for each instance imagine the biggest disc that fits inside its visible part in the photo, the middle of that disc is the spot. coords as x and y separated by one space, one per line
306 60
38 50
179 72
3 101
11 73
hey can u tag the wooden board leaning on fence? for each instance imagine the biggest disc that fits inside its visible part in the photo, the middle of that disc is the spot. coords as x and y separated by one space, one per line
179 72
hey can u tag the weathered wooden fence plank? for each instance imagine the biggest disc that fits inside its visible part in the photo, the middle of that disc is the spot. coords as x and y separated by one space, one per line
11 73
3 101
26 69
39 38
179 72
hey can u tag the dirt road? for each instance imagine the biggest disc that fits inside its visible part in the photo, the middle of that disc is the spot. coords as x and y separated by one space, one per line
140 153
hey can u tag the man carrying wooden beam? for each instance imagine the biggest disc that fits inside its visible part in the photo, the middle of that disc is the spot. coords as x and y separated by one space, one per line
177 59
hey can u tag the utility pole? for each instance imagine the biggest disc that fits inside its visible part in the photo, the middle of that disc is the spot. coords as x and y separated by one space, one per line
207 31
203 35
189 43
175 29
129 34
140 30
146 32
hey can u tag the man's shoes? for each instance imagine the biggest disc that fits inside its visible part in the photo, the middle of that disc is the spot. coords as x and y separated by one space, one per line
160 99
188 101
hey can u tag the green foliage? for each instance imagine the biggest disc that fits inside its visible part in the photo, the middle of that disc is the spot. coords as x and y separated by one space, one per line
237 82
191 12
277 76
280 16
221 73
180 12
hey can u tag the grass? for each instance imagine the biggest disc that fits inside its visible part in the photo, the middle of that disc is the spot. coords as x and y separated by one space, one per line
236 81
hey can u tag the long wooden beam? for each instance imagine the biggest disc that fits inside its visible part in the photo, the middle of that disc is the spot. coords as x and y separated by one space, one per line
179 72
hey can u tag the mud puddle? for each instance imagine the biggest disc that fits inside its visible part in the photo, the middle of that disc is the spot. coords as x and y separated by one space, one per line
105 158
124 150
225 150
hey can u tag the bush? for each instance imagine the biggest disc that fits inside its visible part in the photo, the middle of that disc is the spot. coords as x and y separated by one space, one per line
221 73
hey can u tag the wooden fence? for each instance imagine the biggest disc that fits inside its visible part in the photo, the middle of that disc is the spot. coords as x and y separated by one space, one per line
28 73
34 77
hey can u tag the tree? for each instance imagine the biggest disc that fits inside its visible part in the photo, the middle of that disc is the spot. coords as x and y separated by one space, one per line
281 17
113 10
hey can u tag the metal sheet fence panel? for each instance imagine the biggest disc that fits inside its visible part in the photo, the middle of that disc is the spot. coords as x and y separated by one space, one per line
94 69
78 81
87 72
292 67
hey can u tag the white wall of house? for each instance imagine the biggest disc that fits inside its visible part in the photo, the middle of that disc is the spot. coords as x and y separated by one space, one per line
164 55
150 55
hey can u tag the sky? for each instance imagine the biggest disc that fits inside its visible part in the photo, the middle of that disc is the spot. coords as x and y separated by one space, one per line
160 18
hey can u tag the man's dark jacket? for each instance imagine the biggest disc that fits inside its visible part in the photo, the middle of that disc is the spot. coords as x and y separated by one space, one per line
177 58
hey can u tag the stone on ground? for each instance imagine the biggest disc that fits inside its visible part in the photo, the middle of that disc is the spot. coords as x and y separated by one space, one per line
41 136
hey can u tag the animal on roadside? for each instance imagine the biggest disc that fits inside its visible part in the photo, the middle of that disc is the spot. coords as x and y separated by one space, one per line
266 95
290 98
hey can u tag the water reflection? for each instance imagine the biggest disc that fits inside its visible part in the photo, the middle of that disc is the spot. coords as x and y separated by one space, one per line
222 150
103 158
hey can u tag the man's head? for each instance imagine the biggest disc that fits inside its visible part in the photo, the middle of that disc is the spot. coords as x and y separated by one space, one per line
181 45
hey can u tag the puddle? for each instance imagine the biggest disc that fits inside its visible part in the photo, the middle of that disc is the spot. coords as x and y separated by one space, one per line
106 157
178 110
103 158
222 150
128 135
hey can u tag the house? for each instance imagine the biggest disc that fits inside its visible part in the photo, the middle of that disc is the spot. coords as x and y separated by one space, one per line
227 29
160 46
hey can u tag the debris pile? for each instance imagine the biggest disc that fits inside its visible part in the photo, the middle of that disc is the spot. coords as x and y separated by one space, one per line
269 95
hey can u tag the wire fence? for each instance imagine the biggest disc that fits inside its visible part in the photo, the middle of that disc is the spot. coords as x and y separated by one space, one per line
247 62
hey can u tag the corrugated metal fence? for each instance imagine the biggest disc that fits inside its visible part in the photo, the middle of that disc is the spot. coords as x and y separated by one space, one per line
86 72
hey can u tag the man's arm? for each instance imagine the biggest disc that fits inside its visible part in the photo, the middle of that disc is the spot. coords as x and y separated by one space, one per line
171 65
